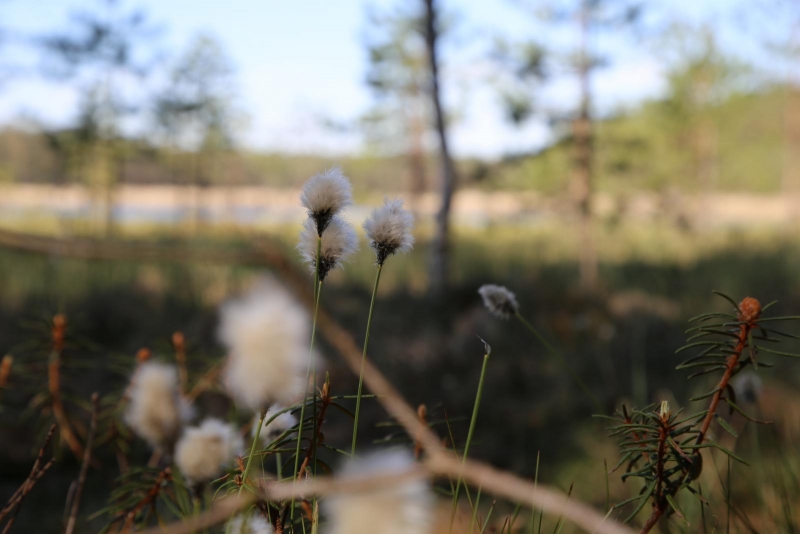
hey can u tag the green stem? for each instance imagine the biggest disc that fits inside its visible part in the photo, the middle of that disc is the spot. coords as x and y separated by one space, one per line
252 450
364 358
475 511
471 430
317 291
553 352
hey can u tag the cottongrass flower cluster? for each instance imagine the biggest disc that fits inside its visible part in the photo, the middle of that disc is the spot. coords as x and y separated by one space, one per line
325 195
266 334
389 230
253 524
156 411
339 241
204 452
277 426
499 300
404 508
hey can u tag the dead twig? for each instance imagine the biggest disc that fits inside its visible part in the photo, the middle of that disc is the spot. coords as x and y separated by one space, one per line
87 458
37 472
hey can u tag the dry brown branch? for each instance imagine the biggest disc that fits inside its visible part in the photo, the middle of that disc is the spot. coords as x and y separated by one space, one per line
37 472
87 458
267 253
516 489
94 249
284 491
506 485
219 512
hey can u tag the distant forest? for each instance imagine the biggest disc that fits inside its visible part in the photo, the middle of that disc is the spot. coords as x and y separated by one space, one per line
741 143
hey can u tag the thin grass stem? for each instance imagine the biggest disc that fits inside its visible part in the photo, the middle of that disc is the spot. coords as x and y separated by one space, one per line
364 358
317 291
470 432
474 520
261 417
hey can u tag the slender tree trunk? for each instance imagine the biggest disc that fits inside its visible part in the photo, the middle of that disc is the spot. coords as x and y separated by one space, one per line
439 268
582 136
416 151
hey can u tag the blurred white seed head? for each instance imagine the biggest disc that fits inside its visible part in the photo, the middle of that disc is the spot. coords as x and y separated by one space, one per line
266 333
324 195
499 300
156 411
389 230
406 508
339 241
204 452
252 524
272 429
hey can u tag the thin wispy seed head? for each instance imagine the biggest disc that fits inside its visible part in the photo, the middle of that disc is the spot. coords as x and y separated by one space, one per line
324 195
339 241
266 335
389 230
156 412
499 300
203 452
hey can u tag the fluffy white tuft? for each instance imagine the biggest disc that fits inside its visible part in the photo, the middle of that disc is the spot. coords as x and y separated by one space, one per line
204 451
325 195
266 333
277 426
389 229
254 524
406 508
499 300
339 241
156 411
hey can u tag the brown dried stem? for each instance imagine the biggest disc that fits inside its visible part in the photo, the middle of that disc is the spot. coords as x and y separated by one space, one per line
37 472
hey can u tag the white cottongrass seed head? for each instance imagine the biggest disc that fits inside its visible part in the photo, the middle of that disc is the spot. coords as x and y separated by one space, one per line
252 524
271 429
266 333
396 508
339 241
499 300
156 411
326 194
389 229
204 452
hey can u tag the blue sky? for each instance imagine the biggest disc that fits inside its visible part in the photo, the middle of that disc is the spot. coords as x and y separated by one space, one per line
298 61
